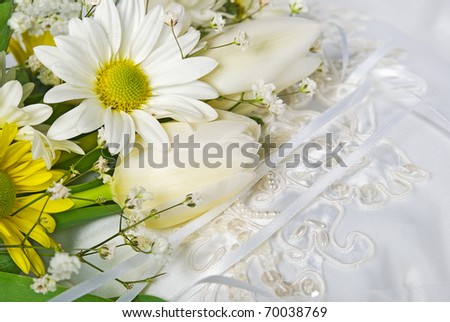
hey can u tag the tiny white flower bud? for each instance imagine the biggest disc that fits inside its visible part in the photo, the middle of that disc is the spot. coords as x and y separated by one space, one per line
107 251
308 87
43 284
242 40
277 106
217 23
297 6
58 191
136 197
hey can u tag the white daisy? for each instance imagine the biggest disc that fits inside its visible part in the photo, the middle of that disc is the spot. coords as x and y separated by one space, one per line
127 67
11 97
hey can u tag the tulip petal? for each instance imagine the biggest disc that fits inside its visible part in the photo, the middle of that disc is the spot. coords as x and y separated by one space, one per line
272 51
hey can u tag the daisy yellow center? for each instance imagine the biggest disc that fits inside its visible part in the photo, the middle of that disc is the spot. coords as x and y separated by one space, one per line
7 195
122 85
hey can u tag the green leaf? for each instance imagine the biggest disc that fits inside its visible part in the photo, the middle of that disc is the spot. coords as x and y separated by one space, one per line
6 7
16 288
148 298
85 186
7 264
72 218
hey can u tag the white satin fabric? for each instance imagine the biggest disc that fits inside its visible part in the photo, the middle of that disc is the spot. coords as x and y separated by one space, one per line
425 21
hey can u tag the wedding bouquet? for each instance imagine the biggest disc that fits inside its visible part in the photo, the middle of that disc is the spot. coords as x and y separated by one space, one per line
124 122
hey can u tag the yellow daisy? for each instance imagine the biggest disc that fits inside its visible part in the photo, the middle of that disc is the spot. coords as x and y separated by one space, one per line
21 219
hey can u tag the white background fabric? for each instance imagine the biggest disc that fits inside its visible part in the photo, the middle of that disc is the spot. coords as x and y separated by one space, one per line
426 21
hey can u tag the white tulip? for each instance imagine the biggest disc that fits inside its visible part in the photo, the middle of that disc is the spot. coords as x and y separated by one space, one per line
278 54
169 185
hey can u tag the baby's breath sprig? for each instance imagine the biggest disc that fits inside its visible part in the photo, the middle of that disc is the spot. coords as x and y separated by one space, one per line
171 19
140 240
263 96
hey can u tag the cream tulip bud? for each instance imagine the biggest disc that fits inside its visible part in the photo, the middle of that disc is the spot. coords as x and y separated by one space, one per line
278 54
218 165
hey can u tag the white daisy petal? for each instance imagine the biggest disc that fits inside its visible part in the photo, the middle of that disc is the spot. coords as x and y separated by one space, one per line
67 146
66 92
92 118
149 128
189 40
78 51
184 108
108 17
40 151
195 89
128 132
63 67
147 35
170 51
130 11
76 28
95 36
14 115
187 70
110 131
65 127
37 113
119 131
13 94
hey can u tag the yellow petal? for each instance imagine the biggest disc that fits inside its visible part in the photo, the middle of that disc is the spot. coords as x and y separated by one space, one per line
57 175
52 206
33 183
35 232
17 153
7 135
17 51
17 170
55 206
31 166
37 266
33 215
17 254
